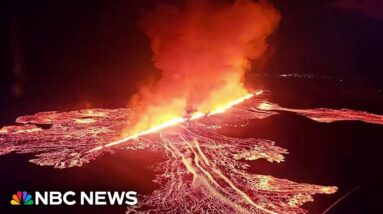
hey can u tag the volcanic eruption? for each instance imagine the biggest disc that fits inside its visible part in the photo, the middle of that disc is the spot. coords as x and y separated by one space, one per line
200 165
202 51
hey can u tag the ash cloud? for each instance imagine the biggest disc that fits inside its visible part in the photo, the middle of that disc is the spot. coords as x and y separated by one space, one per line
202 50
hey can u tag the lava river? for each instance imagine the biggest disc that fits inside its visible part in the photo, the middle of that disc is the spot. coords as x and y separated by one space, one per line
203 171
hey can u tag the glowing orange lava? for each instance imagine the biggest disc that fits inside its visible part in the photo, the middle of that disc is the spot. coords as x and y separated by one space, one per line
202 171
177 120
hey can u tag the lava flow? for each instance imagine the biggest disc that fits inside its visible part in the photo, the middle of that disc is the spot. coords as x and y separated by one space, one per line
176 121
200 165
202 52
327 115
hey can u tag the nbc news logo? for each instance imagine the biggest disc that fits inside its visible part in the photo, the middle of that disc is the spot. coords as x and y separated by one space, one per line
71 198
21 198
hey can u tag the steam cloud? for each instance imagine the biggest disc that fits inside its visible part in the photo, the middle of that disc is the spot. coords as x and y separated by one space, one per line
203 50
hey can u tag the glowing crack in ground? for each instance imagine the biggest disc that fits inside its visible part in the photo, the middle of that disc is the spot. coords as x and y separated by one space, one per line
203 171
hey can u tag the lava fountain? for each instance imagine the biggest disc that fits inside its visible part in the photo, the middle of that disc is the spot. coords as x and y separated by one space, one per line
202 50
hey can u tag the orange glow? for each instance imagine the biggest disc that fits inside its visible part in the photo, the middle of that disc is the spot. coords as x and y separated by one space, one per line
85 120
329 189
19 129
3 130
28 130
202 64
197 115
199 163
218 100
265 106
174 121
169 123
93 113
257 93
222 108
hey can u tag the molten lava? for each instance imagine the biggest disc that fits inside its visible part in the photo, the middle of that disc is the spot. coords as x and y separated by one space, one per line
177 120
202 171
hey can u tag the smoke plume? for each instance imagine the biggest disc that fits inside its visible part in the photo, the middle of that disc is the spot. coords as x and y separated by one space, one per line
203 50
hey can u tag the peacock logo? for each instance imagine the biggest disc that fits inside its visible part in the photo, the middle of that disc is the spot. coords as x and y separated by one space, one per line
21 198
